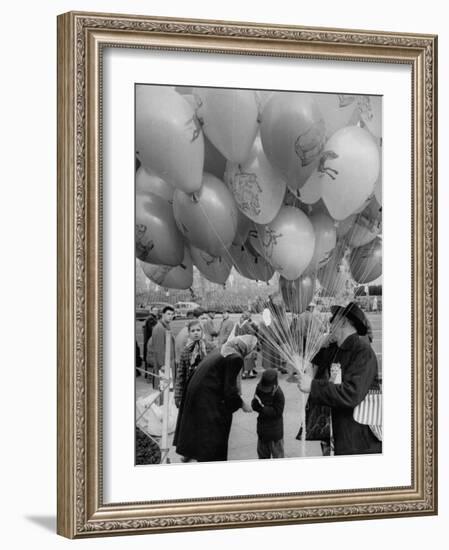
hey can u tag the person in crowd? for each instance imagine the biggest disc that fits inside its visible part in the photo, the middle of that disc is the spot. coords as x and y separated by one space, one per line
211 398
210 331
156 345
269 402
348 350
150 323
225 329
138 359
194 352
246 326
183 335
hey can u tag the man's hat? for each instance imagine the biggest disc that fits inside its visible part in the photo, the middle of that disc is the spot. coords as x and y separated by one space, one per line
268 380
354 314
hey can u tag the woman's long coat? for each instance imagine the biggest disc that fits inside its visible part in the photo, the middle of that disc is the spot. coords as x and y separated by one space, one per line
210 400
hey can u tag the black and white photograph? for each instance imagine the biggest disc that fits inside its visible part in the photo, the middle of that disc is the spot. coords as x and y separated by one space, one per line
258 274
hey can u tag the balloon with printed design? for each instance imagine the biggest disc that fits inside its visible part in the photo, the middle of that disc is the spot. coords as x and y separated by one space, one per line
214 268
208 220
178 277
146 182
339 110
230 120
297 294
365 262
288 242
349 167
257 187
293 135
158 240
169 139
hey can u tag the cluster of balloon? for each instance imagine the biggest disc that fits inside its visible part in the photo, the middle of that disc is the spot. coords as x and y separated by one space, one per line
365 262
158 239
257 187
208 220
180 276
293 135
261 181
297 294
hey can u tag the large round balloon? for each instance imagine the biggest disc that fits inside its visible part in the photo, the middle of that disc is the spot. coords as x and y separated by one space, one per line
338 110
297 294
215 269
293 135
250 264
147 182
349 166
365 262
325 240
288 242
180 276
367 225
208 220
257 187
158 239
230 120
169 138
370 107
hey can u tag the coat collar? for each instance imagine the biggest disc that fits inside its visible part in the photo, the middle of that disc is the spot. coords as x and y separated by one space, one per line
349 342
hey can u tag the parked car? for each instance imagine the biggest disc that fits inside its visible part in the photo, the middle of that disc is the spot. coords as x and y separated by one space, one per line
185 310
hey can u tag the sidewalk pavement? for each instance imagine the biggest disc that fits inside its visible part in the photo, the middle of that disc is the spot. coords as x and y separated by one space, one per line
243 437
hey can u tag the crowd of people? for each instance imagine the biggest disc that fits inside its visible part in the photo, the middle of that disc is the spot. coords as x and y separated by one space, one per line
208 360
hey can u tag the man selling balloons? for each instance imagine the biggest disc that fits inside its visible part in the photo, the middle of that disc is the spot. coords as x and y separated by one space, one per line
244 194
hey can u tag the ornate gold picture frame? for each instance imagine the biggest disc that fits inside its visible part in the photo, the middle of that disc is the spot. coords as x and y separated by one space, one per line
82 41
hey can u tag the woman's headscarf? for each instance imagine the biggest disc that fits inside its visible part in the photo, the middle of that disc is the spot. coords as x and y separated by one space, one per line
241 345
197 350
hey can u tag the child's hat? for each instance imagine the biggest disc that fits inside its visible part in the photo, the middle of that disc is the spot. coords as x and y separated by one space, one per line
269 380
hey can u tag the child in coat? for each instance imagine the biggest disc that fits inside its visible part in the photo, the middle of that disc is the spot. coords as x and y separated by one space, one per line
269 402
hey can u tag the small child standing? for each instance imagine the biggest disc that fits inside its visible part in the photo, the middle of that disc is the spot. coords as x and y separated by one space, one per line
269 402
